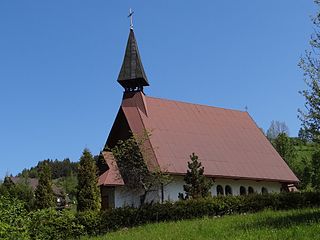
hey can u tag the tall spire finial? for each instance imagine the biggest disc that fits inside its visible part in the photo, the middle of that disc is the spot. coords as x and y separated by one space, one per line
130 16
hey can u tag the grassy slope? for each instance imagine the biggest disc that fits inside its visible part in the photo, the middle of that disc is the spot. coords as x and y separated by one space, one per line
297 224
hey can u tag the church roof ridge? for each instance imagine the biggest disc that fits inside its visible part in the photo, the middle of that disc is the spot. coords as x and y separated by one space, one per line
198 104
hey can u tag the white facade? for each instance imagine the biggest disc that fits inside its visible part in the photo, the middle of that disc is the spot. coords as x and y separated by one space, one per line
123 197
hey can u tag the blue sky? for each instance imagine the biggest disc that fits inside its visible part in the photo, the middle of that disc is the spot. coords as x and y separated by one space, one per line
59 61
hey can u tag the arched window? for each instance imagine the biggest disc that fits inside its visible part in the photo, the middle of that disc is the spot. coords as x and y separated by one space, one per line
250 190
228 190
243 190
219 190
264 190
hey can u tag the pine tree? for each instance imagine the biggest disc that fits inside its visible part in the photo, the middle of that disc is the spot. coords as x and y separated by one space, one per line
88 192
44 196
197 185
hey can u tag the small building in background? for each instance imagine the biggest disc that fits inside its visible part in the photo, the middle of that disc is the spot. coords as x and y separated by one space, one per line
61 197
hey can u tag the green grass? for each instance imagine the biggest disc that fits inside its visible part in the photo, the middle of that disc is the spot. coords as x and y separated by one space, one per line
294 224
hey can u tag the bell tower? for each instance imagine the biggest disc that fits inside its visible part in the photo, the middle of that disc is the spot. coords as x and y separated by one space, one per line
132 76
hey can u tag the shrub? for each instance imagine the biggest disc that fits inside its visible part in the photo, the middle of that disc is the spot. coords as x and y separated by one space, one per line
91 221
114 219
13 219
50 224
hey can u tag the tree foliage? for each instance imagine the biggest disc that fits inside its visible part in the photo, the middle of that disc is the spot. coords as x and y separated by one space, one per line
64 168
88 192
131 156
197 185
284 147
20 190
13 219
315 178
277 127
310 64
44 196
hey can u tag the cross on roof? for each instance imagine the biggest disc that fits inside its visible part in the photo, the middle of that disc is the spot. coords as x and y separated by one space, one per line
130 16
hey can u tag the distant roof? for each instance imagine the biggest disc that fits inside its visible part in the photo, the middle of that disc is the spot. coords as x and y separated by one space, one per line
228 142
132 74
112 176
33 183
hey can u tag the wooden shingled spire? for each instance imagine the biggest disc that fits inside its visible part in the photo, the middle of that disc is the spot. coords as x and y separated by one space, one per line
132 76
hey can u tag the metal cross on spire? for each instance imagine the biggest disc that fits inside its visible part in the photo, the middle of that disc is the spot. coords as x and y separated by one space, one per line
130 16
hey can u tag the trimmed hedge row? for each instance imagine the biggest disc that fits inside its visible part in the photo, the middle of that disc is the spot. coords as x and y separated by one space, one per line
114 219
52 224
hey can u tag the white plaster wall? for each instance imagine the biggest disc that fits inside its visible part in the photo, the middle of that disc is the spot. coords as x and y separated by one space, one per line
272 187
123 197
172 190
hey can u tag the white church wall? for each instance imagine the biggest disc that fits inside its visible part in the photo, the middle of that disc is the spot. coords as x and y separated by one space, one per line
272 187
123 197
172 190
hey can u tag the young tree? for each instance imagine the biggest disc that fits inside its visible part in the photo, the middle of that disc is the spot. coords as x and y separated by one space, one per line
276 128
284 147
129 155
197 185
310 64
44 197
88 192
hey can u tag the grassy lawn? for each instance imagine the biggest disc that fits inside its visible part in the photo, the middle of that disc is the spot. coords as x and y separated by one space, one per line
295 224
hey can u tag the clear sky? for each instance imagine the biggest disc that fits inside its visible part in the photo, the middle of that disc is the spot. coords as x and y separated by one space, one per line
59 61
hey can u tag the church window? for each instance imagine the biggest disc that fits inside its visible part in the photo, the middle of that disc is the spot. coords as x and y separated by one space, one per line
250 190
264 190
219 190
243 190
228 190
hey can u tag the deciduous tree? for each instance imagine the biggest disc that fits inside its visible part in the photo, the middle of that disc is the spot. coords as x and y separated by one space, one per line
310 64
315 178
284 147
277 127
131 156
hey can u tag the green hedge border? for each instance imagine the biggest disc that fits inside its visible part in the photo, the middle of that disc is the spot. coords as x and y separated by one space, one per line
52 225
114 219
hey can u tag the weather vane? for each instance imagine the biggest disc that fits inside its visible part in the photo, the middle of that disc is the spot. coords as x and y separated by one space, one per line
130 16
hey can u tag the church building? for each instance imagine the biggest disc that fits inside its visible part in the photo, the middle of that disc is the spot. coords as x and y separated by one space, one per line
231 147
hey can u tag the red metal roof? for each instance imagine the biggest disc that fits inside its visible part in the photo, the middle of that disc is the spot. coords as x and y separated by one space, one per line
112 176
228 142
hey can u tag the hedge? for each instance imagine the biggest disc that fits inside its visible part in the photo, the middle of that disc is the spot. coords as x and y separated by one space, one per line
52 224
113 219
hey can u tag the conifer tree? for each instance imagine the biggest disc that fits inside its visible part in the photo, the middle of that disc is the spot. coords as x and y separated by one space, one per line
44 196
197 185
88 192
